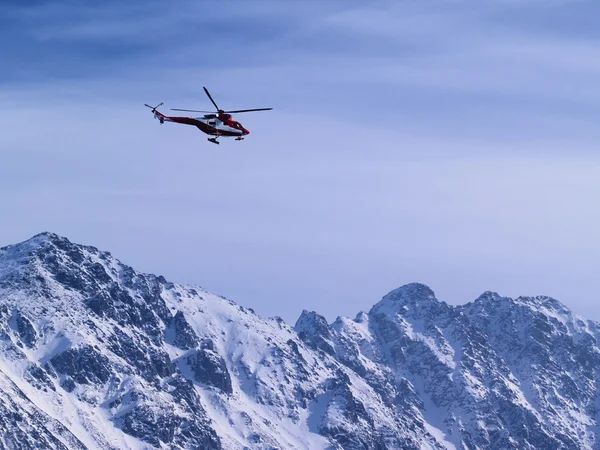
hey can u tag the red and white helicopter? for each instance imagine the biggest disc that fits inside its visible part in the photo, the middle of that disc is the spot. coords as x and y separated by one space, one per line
216 124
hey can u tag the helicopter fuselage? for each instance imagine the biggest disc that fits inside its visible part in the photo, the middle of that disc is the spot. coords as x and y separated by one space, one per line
212 124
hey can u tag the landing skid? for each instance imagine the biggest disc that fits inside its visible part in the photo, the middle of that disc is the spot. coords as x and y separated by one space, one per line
213 140
239 138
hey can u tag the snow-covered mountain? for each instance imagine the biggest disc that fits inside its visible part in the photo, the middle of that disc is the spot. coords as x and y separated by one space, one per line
97 355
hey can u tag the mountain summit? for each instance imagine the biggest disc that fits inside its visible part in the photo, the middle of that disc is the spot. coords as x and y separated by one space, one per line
97 355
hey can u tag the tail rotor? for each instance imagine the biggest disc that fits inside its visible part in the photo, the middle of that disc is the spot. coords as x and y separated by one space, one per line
153 108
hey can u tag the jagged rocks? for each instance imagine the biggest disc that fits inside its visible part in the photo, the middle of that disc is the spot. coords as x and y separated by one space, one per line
23 426
85 365
148 425
103 305
346 421
38 378
68 384
26 331
154 421
314 330
185 337
210 368
183 391
161 426
161 362
150 362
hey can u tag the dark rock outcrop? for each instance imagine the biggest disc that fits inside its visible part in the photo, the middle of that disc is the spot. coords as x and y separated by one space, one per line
85 365
185 337
314 330
210 368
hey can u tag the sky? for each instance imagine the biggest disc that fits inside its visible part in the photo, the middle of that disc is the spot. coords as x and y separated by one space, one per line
449 142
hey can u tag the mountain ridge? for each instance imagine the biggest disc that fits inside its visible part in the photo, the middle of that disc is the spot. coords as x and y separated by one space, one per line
109 353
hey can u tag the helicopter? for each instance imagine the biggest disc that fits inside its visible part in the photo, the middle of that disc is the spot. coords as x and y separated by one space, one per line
216 124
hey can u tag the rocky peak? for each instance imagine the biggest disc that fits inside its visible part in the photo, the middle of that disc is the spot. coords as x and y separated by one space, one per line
489 301
413 294
38 247
362 317
313 323
546 304
412 300
314 330
486 304
488 296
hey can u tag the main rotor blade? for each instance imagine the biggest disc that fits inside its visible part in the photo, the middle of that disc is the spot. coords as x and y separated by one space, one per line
247 110
211 99
191 110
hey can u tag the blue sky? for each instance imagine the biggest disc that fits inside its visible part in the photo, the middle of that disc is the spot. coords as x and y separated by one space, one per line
453 143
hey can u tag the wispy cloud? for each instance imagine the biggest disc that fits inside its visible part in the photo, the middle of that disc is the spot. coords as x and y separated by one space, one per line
441 141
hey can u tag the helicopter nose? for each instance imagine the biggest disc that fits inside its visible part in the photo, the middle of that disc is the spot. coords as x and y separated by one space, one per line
246 131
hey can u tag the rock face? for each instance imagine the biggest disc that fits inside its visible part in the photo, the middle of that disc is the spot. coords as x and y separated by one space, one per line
314 330
185 337
210 368
96 355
